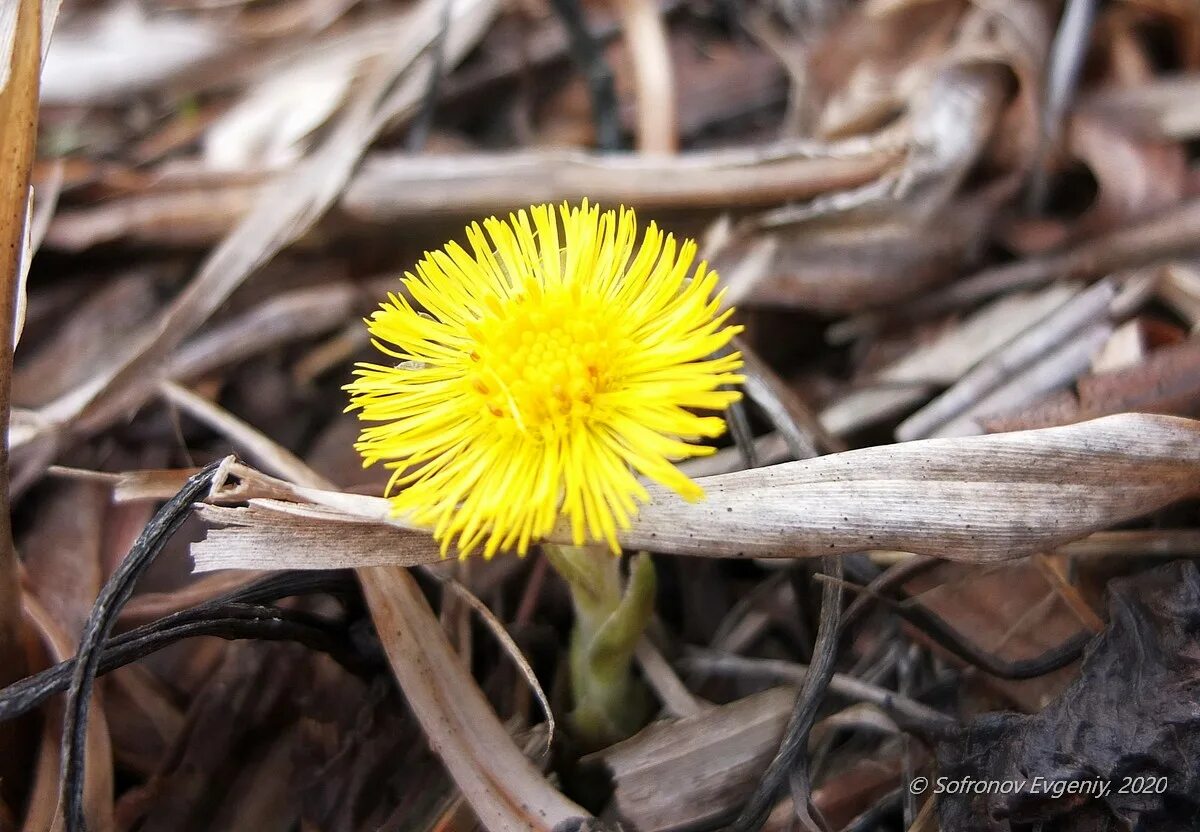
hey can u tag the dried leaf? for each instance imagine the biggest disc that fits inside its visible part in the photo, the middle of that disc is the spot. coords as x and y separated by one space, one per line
268 533
942 361
502 786
1131 713
1166 382
974 499
121 51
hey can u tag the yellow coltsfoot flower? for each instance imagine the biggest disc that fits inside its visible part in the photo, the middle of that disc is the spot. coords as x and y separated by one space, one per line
551 364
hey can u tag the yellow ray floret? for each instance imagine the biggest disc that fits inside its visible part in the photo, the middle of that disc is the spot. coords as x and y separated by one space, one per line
550 365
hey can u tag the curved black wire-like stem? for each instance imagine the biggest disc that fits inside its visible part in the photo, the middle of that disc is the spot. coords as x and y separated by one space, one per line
892 578
945 636
113 596
240 614
418 134
870 820
790 764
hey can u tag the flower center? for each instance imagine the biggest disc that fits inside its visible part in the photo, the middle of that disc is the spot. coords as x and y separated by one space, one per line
542 357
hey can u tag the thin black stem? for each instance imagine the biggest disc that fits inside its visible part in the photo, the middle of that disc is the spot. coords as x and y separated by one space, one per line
871 819
419 133
895 577
231 622
945 636
212 619
790 765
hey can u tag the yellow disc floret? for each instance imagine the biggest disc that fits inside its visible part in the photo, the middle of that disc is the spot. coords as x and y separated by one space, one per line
541 360
549 367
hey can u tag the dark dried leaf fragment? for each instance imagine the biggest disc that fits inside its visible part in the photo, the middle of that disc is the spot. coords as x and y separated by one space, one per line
1133 712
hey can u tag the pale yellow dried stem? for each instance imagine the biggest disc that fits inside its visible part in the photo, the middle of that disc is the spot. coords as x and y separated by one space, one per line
646 43
18 130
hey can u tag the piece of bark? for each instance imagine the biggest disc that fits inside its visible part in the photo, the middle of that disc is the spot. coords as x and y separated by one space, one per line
686 771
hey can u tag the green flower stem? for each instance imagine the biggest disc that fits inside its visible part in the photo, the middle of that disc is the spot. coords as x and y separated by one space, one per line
610 704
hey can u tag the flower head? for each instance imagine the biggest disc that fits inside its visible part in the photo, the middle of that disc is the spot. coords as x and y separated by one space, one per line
551 364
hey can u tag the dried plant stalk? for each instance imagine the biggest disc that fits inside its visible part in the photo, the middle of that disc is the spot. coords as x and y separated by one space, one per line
18 129
269 531
507 793
649 48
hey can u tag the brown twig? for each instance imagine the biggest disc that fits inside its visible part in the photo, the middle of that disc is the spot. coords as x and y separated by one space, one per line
394 187
646 43
798 424
791 761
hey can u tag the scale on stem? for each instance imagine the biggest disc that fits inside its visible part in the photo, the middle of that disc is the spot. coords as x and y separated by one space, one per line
610 704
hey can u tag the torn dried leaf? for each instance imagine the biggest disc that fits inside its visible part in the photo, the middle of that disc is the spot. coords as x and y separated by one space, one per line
974 499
